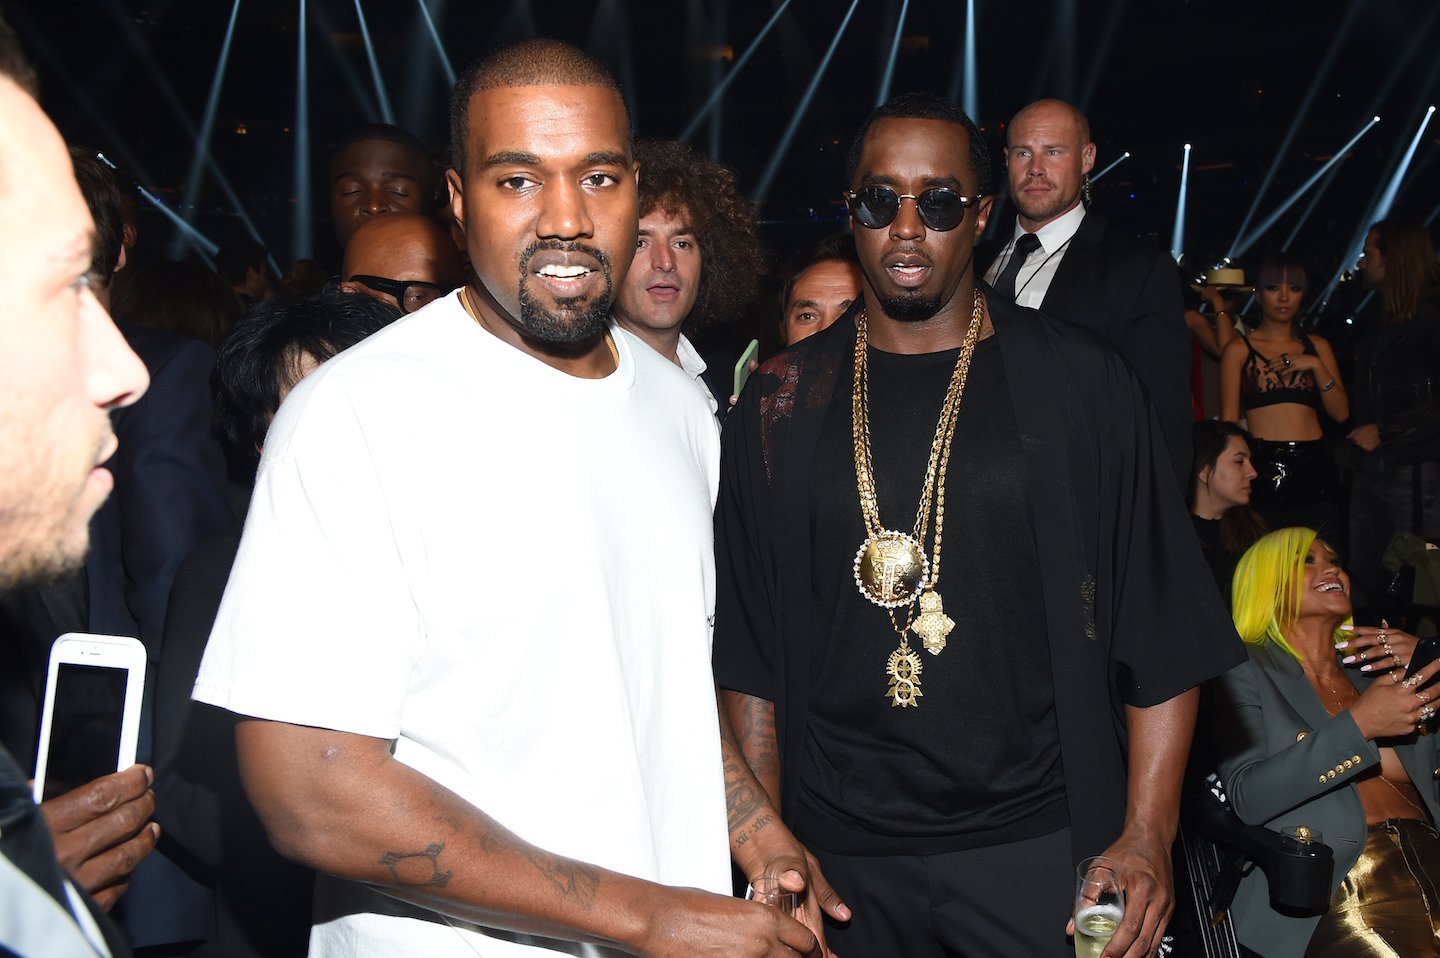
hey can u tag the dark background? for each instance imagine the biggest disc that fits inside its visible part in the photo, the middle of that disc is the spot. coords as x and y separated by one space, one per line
131 77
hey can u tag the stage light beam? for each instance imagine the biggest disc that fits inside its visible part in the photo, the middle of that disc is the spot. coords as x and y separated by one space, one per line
439 47
1381 208
884 93
1094 177
301 231
778 157
382 96
1177 237
207 127
719 91
1242 246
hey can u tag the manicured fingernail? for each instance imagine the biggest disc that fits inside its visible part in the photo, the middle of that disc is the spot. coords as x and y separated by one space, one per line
149 775
1347 628
1364 668
1342 645
1347 660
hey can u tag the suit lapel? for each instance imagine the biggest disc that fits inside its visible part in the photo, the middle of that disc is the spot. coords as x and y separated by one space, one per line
1082 258
1293 686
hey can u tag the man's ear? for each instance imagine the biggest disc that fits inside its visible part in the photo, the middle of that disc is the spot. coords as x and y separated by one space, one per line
982 214
1088 154
457 196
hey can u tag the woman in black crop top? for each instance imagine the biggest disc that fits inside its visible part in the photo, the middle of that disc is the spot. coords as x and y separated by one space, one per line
1279 378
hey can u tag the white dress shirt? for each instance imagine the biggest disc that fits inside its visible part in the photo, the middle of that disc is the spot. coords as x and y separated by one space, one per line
1038 270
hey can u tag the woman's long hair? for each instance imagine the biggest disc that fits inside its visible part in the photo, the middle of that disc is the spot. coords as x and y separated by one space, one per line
1410 267
1241 525
1265 593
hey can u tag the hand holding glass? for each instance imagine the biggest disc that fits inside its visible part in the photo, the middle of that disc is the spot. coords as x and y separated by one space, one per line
767 891
1099 905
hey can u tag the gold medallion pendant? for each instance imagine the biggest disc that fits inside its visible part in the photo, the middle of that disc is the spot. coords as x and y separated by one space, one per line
891 569
932 625
904 671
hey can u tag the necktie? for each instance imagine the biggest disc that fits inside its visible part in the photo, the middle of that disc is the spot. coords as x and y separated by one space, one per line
1024 246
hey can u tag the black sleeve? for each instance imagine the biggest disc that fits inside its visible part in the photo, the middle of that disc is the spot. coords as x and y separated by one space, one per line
1169 626
745 604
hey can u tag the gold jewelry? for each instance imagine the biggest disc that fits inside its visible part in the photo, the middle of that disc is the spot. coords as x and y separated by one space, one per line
891 568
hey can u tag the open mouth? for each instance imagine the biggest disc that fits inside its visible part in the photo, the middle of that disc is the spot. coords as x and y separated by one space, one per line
908 269
1329 587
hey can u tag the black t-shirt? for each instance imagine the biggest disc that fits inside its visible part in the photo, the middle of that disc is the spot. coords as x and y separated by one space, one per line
978 762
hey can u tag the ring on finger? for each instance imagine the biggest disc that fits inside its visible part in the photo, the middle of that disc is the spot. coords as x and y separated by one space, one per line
1362 656
1423 695
1411 682
1427 713
1395 676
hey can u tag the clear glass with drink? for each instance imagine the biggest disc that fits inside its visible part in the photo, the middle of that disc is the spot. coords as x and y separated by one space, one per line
1099 905
767 891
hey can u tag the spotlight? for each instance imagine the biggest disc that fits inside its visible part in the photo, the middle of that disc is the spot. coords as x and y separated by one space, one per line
719 91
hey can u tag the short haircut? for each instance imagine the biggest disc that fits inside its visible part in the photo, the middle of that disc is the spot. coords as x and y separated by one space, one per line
923 106
835 248
1281 266
1265 595
102 194
539 61
1082 125
385 132
180 296
235 259
13 62
263 351
675 179
1410 267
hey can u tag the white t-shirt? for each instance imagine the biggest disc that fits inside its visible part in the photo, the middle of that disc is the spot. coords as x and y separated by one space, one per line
508 571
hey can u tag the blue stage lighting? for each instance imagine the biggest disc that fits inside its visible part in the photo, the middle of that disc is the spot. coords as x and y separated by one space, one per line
301 232
1094 177
382 96
884 93
1177 236
719 91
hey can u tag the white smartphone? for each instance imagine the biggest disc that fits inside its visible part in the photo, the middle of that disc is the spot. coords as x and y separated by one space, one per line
91 721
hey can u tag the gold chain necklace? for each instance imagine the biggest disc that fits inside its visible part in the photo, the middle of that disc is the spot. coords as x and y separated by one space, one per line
891 568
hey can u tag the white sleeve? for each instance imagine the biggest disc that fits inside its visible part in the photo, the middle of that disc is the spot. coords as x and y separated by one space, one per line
318 625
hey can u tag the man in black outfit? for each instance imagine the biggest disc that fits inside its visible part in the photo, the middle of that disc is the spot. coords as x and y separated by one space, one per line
1067 260
946 778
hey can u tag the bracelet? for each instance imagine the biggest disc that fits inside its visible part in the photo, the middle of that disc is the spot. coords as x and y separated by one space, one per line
1328 386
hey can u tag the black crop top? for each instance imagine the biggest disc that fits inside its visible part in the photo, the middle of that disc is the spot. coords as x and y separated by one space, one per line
1260 387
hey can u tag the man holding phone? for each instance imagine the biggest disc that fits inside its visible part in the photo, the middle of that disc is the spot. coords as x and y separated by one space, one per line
697 259
473 661
63 366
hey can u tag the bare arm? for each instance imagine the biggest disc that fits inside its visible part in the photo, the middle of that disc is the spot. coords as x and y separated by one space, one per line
1336 400
759 841
1159 745
340 803
752 720
1230 362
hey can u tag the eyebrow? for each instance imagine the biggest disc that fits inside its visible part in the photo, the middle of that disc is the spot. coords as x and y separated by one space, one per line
520 158
880 179
71 252
388 175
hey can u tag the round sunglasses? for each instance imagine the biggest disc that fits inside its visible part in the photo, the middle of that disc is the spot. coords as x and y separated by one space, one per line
940 209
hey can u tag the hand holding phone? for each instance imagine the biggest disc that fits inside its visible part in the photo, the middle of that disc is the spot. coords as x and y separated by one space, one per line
746 365
102 830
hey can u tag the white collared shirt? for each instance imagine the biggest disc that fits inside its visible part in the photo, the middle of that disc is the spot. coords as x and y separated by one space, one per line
1036 274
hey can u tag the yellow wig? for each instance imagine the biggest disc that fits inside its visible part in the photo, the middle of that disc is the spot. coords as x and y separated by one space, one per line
1265 593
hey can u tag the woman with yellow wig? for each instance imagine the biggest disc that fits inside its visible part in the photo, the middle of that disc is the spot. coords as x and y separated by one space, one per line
1322 729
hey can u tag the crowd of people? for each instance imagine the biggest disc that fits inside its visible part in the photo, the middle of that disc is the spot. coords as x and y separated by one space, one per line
487 612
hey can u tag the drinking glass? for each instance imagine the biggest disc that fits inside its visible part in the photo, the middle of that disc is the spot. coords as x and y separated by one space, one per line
767 891
1099 905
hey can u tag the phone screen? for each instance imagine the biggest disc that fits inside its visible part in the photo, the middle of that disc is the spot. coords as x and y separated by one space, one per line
89 709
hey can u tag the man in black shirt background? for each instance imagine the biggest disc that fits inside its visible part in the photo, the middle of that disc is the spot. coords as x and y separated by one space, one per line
1001 679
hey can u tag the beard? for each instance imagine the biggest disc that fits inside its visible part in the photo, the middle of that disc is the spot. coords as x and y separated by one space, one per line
572 319
910 307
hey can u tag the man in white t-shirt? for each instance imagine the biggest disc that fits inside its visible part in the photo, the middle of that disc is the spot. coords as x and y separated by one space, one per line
469 620
697 261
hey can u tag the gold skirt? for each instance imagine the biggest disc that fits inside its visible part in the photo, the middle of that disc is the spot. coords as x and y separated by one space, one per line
1388 905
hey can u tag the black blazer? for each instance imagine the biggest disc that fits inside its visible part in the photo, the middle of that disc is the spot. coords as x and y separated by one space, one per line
1112 284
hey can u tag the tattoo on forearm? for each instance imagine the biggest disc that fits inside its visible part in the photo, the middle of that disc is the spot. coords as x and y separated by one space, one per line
757 738
417 869
742 800
573 880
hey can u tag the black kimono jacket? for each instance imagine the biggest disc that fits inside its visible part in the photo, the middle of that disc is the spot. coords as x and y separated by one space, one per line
1131 610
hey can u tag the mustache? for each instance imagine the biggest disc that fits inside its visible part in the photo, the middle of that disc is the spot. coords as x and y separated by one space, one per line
564 246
